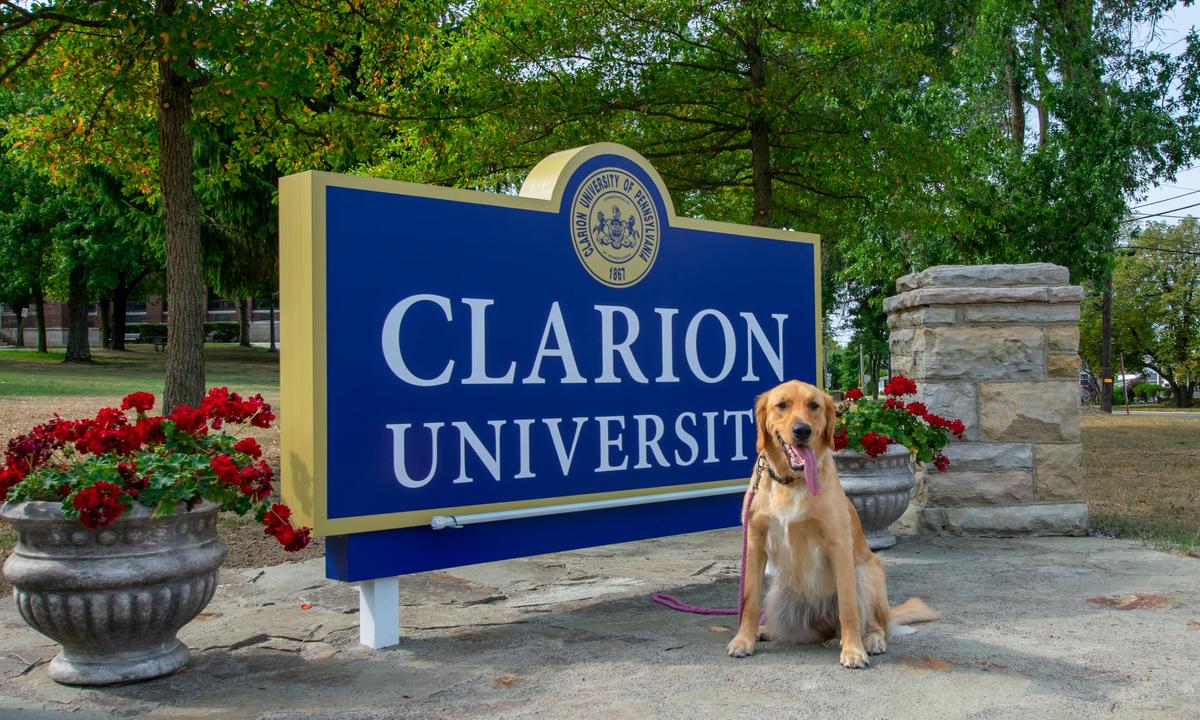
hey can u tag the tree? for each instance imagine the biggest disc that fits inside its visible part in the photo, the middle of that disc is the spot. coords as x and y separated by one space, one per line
1156 306
27 210
110 65
132 253
240 220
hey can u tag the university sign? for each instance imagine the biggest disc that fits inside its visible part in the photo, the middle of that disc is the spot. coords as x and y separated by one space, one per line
472 376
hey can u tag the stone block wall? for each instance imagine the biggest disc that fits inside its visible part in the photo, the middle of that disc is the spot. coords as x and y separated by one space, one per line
997 347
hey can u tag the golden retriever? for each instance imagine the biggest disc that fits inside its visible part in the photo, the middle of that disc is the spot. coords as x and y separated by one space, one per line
828 584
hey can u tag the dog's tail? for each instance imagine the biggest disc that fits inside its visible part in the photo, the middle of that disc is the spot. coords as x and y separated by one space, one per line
913 610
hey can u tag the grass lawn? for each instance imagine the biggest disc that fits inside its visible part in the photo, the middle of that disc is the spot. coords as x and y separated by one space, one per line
24 373
1142 478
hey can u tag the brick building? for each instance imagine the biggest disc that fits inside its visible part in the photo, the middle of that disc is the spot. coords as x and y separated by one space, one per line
151 310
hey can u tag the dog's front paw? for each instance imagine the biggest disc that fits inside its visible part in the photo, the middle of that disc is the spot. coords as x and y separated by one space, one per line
741 646
855 658
875 643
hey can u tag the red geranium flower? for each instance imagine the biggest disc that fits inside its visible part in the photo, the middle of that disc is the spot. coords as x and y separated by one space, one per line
250 447
8 478
98 505
225 468
900 385
854 394
277 525
189 420
140 401
840 439
918 409
255 481
874 444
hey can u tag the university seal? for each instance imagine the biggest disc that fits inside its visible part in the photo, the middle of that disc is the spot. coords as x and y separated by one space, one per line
615 227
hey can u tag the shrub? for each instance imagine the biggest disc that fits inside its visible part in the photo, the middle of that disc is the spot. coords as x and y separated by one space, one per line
1146 392
222 332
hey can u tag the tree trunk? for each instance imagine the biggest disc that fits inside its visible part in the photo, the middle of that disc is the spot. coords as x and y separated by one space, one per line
181 223
120 300
760 141
1181 394
1106 384
20 339
1043 83
105 324
1016 97
39 302
78 349
244 322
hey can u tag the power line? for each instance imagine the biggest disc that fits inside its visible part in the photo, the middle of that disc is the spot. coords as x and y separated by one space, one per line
1154 249
1159 202
1164 212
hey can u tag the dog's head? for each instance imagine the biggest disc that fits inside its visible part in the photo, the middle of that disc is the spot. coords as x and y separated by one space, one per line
789 416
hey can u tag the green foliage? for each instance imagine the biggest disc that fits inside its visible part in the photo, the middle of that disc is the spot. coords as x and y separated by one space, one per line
1156 308
1146 392
895 129
842 366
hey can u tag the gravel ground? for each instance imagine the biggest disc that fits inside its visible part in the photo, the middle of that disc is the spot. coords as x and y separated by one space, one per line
1047 628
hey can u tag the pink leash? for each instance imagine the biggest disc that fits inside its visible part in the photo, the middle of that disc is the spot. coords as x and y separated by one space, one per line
676 604
810 477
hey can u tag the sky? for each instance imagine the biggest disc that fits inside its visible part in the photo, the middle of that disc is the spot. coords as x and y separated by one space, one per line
1171 194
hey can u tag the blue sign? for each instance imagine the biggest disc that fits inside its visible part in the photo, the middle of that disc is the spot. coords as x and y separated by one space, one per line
458 354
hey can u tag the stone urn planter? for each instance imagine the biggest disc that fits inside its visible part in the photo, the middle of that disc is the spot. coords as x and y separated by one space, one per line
880 488
113 597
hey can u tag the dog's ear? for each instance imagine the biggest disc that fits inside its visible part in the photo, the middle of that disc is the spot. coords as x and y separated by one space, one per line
760 420
830 419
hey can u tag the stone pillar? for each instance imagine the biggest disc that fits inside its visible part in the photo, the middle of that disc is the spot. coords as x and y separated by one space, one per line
997 347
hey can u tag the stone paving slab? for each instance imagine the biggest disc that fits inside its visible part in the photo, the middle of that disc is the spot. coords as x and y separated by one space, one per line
1046 628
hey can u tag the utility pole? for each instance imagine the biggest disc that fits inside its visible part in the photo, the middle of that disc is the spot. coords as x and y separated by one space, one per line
1106 382
1125 383
861 369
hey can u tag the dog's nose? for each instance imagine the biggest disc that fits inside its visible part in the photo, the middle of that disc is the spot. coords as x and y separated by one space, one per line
801 431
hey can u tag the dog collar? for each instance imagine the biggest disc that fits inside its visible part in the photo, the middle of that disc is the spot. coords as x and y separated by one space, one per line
764 464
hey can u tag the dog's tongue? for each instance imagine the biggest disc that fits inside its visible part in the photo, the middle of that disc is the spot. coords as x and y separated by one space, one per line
810 470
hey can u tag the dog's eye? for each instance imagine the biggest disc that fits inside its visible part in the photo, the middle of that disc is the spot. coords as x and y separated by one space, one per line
781 405
813 405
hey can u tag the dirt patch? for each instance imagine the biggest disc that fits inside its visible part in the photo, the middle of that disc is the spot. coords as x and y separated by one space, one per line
1137 601
927 662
